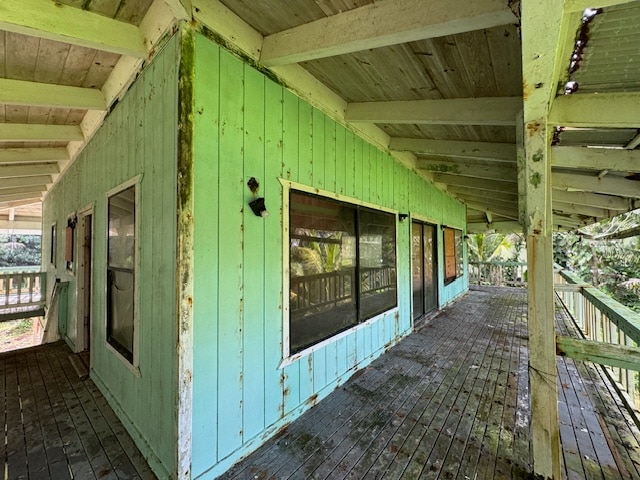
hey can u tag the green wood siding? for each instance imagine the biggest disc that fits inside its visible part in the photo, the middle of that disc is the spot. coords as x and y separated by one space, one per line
138 137
246 126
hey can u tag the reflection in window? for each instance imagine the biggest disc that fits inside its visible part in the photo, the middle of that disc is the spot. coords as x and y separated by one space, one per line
342 267
453 259
121 271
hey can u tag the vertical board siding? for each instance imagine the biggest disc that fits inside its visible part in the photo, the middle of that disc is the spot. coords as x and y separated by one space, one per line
248 126
139 137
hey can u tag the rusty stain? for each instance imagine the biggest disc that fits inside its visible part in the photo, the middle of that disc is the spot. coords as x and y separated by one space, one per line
525 90
533 127
313 399
190 301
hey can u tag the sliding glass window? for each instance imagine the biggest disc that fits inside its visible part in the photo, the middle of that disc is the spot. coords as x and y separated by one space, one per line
453 258
342 267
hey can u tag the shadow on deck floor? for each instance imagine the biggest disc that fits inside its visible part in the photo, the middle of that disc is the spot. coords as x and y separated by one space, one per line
58 426
452 401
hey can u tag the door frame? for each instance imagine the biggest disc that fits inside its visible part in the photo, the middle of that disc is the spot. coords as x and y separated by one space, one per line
436 262
81 288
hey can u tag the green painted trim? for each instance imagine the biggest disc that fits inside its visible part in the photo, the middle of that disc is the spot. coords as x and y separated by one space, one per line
620 356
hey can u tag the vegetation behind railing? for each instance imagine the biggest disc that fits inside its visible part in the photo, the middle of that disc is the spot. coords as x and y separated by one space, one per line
499 274
603 319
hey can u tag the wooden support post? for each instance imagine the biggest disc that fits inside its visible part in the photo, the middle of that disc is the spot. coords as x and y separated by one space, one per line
542 348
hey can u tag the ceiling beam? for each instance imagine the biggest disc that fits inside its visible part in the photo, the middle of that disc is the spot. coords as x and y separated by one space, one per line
31 224
457 111
616 160
20 92
380 24
62 23
455 148
27 132
489 202
33 155
596 110
608 202
499 227
510 213
582 210
504 174
474 193
19 196
490 185
25 191
7 171
608 185
581 5
19 203
25 181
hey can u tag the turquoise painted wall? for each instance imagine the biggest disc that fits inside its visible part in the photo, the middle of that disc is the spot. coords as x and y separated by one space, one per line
245 125
138 137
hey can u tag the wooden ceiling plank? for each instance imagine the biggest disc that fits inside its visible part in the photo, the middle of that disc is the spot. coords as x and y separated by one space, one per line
453 148
17 197
608 202
608 185
457 111
510 213
384 23
28 190
19 203
55 21
8 171
596 159
19 92
20 132
597 110
482 200
501 197
33 155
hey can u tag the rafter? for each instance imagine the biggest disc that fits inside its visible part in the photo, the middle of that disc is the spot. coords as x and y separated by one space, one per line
504 174
608 202
457 111
596 159
581 209
501 227
19 196
597 110
25 191
510 213
480 200
388 22
21 132
581 5
20 92
607 185
25 181
455 148
33 155
19 203
490 185
468 190
7 171
56 21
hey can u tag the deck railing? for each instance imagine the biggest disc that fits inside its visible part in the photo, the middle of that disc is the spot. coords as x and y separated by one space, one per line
20 290
613 328
499 274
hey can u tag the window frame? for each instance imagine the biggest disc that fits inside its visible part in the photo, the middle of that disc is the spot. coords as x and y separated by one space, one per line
458 254
134 363
53 244
288 185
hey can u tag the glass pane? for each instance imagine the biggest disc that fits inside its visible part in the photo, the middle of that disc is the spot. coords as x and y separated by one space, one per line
459 256
449 255
121 271
416 265
430 286
322 297
377 262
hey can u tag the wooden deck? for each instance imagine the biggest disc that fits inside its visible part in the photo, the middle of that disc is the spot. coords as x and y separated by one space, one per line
58 426
452 401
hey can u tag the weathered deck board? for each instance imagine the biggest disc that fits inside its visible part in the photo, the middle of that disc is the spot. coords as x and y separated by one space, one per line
59 426
452 401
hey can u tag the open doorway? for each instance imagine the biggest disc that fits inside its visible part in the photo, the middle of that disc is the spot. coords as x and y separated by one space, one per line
85 262
424 268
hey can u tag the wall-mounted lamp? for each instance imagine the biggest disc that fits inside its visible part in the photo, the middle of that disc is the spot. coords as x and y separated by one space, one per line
257 204
403 216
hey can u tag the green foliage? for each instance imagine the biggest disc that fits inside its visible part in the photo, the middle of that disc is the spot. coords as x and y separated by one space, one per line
494 247
17 250
613 265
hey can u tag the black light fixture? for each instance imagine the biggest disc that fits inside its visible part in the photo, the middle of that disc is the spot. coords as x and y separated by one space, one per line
403 216
257 204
